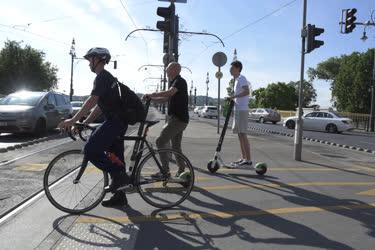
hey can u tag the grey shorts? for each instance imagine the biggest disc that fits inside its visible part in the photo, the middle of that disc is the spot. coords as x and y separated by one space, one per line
240 122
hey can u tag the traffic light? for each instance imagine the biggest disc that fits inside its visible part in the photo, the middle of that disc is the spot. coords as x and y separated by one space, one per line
169 17
312 33
350 20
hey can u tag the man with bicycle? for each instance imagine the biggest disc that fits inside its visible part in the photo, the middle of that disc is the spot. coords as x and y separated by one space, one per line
104 148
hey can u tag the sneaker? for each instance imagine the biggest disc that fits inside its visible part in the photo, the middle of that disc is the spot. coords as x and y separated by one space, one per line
179 172
119 179
243 164
234 163
117 200
160 175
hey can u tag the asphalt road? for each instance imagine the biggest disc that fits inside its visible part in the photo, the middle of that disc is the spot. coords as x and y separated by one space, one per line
354 138
324 202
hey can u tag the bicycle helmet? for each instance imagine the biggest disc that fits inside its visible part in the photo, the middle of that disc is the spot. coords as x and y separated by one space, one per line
102 53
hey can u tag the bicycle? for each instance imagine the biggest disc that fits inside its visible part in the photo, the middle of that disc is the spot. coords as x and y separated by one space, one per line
70 175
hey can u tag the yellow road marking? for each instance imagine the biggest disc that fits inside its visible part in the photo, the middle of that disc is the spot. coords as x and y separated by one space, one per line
32 167
368 192
296 184
223 215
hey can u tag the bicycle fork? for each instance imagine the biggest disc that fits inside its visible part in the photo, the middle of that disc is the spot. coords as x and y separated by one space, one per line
81 170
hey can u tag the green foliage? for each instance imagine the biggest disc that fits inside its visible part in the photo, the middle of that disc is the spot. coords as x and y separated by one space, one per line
350 77
276 95
309 93
25 68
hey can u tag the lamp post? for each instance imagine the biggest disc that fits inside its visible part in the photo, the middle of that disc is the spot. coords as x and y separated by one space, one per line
207 81
195 96
72 52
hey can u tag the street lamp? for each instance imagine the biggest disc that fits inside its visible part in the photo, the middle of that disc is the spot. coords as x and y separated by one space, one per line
72 52
207 81
191 94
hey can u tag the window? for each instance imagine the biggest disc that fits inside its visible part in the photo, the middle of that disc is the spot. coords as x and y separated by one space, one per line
312 114
320 115
60 100
51 99
328 115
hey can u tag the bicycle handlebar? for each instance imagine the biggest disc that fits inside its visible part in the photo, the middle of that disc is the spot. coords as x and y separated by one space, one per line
80 127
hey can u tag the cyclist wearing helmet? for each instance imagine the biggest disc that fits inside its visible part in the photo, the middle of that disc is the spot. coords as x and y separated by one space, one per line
104 149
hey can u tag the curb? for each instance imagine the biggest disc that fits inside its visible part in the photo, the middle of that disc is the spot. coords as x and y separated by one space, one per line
29 143
334 144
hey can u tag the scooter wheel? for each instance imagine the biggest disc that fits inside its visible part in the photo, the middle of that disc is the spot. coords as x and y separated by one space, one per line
261 168
212 167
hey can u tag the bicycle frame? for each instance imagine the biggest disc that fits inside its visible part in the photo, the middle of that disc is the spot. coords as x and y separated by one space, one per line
138 149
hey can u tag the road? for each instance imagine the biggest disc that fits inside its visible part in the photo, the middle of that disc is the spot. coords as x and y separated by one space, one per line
356 139
324 202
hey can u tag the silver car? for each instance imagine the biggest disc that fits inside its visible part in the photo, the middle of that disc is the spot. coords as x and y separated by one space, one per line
33 112
264 115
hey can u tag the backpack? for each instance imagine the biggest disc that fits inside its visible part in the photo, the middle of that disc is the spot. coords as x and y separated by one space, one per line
131 109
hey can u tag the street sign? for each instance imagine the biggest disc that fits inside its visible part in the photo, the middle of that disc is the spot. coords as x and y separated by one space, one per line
175 1
219 75
219 59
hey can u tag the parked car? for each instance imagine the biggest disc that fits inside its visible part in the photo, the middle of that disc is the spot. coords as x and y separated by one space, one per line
263 115
76 105
322 121
197 109
208 111
34 112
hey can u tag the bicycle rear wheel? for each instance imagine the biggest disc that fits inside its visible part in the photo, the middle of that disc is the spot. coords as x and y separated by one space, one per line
67 193
165 192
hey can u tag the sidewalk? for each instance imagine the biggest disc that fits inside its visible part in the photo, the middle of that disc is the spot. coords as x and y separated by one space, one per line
224 208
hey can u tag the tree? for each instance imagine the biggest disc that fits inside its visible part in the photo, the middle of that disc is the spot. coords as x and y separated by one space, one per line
309 93
276 95
350 79
25 68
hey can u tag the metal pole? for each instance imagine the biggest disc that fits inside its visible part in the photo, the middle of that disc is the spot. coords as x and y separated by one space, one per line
207 81
164 86
372 114
195 97
218 105
298 129
71 79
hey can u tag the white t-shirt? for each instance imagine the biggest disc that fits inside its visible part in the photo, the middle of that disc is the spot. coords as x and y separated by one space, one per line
241 103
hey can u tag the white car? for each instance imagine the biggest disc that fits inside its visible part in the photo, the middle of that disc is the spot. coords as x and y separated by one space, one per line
330 122
208 111
197 109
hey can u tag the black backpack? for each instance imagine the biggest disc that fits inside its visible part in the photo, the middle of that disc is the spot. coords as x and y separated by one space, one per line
131 109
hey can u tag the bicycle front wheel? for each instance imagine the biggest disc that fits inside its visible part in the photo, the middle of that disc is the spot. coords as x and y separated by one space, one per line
67 192
169 190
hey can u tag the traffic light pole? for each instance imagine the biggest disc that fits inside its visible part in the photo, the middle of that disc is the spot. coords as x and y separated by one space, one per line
372 113
298 129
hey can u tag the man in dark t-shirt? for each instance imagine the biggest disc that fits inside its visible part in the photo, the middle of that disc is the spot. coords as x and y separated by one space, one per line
178 116
104 148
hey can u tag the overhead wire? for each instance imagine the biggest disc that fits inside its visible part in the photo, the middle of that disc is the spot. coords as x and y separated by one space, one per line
244 27
135 25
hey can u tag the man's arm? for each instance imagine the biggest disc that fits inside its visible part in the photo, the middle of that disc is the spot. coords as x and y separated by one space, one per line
93 115
163 95
87 106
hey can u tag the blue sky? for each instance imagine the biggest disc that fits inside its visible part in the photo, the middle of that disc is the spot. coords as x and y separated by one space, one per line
268 49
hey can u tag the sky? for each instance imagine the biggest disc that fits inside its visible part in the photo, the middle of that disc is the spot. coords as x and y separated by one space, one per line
266 35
